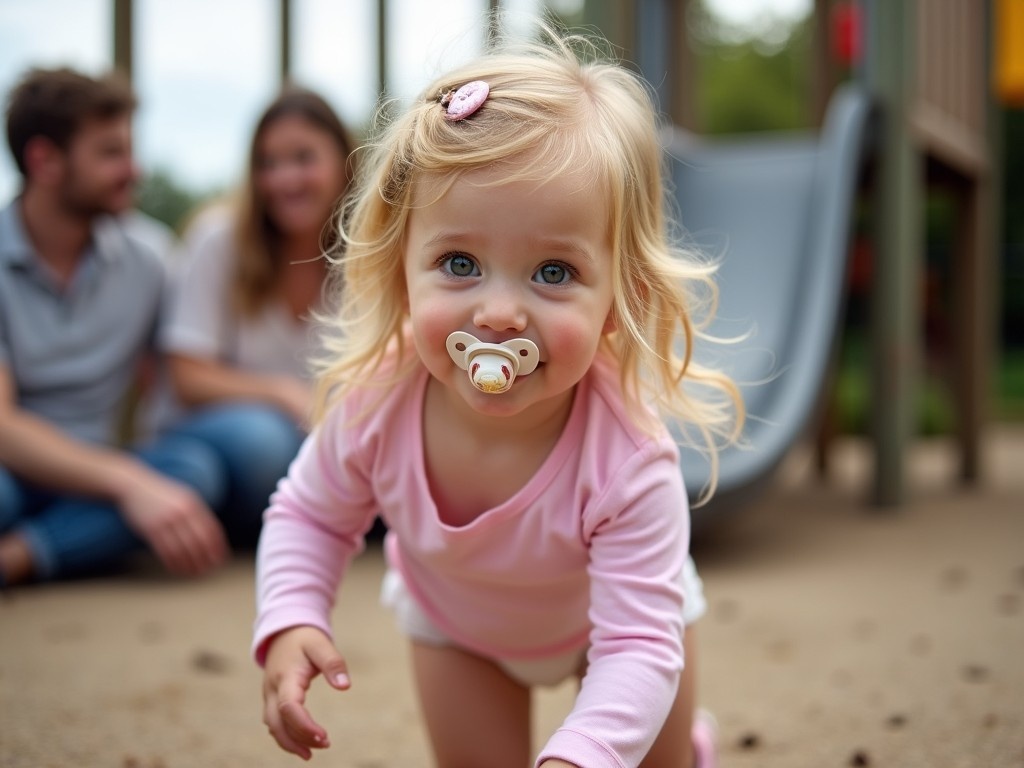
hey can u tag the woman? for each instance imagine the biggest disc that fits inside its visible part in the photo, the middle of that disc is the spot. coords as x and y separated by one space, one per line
239 331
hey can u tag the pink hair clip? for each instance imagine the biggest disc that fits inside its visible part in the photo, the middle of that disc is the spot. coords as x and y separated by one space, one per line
463 102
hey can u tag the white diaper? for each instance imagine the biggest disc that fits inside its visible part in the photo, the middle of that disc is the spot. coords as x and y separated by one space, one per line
547 671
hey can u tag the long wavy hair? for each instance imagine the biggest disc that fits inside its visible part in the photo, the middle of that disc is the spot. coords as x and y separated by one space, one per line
554 106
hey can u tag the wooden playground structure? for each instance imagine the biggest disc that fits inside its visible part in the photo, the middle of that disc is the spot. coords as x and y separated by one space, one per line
927 66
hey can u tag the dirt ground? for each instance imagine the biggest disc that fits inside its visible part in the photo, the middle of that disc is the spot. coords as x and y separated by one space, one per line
836 635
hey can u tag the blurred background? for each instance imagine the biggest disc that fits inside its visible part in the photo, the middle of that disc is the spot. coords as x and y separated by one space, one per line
204 70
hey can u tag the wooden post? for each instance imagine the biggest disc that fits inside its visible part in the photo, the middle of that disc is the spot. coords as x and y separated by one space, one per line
285 28
898 257
823 80
615 20
683 99
123 37
976 268
382 48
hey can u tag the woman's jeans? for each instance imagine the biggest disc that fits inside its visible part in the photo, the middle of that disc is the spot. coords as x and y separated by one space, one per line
255 444
232 456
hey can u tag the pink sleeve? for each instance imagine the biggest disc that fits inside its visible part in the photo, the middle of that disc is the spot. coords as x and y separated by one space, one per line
638 537
311 531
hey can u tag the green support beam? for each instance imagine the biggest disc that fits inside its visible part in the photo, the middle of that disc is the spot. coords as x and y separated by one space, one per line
284 24
898 257
123 37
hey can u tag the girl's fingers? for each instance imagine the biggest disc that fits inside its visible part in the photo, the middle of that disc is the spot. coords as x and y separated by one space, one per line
294 659
274 721
325 657
300 726
285 742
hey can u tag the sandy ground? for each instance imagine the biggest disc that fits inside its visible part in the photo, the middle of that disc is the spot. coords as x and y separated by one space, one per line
836 636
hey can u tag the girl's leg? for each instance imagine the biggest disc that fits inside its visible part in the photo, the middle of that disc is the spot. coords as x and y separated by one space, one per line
256 443
476 715
673 748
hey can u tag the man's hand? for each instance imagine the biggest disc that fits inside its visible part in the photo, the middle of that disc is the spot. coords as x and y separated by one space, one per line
174 521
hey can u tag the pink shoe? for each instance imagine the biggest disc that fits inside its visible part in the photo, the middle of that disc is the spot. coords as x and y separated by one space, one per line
704 737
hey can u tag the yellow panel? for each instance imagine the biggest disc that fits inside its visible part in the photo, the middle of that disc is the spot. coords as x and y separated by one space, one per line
1009 52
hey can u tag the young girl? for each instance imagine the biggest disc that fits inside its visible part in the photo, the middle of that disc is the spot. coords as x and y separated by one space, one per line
505 360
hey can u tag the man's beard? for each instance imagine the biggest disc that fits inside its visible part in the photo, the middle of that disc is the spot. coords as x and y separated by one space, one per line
89 203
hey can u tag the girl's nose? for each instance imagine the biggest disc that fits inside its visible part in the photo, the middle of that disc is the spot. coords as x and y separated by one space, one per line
501 311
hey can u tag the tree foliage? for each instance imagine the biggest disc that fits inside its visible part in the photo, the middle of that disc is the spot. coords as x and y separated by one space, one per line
163 198
751 80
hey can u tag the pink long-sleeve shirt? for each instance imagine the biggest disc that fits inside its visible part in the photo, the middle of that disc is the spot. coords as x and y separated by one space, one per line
587 554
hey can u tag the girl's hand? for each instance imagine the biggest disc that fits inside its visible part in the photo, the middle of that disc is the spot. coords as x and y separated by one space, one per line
294 658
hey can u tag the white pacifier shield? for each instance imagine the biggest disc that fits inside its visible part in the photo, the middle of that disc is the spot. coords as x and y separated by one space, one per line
492 367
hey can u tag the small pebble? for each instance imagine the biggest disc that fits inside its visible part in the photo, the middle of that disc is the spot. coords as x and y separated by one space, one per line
842 678
976 673
896 721
953 578
860 757
1009 604
864 630
921 645
726 610
151 632
749 741
208 661
780 650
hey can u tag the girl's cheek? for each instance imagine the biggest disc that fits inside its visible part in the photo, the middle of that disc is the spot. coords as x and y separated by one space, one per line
432 324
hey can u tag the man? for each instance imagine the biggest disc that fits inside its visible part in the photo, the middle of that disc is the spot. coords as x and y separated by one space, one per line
79 300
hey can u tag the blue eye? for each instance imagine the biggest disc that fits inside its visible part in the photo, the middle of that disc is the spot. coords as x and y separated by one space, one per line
552 273
461 265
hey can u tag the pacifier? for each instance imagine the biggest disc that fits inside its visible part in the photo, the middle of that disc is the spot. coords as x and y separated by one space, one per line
492 367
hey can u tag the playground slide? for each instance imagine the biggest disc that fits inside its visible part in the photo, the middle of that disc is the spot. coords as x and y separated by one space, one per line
777 211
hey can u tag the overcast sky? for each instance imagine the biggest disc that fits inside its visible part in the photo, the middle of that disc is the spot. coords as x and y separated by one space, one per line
206 68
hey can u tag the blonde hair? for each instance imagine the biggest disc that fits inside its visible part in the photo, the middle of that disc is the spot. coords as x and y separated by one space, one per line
553 107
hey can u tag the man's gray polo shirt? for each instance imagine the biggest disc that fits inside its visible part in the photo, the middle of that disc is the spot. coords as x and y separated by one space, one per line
73 354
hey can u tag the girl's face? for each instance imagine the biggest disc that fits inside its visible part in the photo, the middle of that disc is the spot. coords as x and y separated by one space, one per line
299 175
505 260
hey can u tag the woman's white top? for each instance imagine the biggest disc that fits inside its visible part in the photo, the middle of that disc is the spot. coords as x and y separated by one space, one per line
202 322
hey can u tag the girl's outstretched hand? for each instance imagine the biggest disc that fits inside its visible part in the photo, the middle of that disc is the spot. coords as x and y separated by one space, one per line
295 657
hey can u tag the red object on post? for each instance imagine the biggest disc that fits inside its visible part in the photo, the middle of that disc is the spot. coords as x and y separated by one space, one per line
847 33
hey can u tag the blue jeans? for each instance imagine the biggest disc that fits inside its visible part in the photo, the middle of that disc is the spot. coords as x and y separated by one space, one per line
72 536
255 443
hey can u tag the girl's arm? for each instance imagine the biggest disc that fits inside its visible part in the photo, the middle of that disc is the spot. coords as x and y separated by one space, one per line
313 528
638 534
